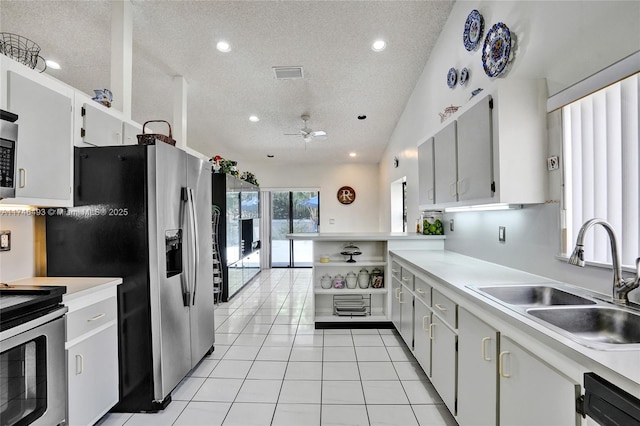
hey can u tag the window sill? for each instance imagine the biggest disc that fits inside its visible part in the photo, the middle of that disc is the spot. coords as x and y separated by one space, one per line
625 268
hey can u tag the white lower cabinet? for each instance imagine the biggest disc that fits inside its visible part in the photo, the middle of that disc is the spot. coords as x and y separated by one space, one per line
406 316
92 369
421 339
444 358
532 392
92 357
477 371
396 313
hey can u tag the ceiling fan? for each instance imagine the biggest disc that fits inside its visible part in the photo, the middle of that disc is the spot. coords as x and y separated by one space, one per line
307 134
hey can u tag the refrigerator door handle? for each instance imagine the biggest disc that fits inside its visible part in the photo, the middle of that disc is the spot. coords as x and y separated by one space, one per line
184 277
194 233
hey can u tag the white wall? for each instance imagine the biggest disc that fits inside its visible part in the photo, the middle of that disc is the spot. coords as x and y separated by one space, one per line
19 262
360 216
562 41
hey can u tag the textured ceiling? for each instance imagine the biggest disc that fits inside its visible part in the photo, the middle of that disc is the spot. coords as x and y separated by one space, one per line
344 78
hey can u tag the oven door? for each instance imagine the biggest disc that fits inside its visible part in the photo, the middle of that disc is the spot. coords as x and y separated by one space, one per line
33 372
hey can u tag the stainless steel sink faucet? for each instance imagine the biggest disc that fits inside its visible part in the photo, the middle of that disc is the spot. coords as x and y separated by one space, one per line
621 286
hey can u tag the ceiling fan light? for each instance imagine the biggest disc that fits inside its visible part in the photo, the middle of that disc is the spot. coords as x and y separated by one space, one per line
223 46
378 45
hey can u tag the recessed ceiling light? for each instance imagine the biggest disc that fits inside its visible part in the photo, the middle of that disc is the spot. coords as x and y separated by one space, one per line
352 154
223 46
53 65
378 45
254 118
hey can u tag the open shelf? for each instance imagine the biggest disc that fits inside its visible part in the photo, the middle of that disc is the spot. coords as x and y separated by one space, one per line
359 263
334 291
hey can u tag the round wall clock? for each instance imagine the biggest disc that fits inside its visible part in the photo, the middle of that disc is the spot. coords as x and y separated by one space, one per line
346 195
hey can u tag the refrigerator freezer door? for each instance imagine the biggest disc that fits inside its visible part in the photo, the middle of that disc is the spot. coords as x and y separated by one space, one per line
201 313
169 315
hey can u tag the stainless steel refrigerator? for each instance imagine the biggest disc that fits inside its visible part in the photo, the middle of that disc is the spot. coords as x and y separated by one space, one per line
143 213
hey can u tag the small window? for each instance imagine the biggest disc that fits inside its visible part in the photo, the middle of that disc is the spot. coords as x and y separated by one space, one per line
601 163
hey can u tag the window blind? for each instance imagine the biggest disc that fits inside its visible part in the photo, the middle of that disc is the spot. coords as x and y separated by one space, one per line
601 160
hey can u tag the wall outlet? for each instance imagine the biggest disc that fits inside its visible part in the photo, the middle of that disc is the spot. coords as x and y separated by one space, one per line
451 225
502 234
552 163
5 240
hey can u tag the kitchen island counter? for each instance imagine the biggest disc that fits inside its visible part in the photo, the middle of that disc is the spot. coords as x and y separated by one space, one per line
362 236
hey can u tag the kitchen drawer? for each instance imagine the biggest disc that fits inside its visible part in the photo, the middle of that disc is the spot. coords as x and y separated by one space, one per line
91 317
445 308
396 269
407 278
423 290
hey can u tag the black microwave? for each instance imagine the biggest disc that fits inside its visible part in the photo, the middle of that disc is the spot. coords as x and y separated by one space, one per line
8 158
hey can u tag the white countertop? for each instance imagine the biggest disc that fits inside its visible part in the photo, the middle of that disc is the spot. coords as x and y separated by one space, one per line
76 286
362 236
618 366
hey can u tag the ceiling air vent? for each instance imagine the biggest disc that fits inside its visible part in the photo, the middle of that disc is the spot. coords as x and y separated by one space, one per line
288 73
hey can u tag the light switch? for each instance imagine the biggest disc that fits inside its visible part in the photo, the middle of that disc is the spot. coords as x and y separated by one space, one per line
5 240
501 234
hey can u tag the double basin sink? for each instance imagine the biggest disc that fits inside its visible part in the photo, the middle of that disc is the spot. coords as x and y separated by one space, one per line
585 317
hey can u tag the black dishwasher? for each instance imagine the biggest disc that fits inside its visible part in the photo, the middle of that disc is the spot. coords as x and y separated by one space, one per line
607 404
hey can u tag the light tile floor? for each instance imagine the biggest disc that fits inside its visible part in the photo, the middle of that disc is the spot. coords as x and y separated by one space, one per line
272 367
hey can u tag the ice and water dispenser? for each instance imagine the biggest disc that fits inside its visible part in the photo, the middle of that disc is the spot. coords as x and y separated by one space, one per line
173 248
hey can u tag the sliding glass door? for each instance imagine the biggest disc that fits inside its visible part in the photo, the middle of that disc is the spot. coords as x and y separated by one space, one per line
293 211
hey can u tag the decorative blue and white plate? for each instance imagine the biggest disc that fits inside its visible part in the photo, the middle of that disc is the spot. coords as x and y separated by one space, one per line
496 50
464 76
472 33
452 77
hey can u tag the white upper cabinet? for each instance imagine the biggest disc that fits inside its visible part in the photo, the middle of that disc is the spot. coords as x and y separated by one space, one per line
446 172
426 175
475 165
494 152
99 128
44 148
130 132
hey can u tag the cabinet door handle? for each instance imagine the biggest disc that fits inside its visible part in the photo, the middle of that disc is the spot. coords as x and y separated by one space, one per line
441 307
484 348
398 293
431 330
423 326
501 364
97 317
79 364
395 271
400 296
22 176
419 290
405 279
